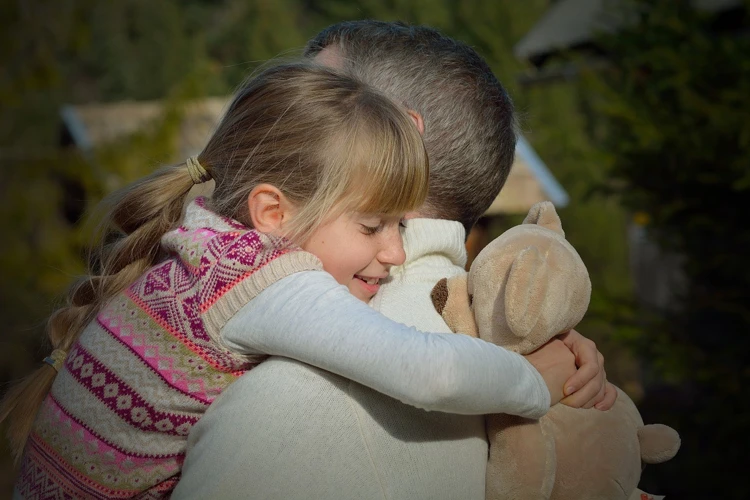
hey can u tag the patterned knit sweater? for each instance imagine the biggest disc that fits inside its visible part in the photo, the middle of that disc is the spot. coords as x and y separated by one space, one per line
116 421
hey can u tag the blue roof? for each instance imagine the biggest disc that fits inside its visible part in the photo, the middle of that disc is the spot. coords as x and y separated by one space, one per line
547 181
76 128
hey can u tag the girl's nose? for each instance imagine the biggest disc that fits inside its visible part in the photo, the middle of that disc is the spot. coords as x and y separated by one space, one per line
392 251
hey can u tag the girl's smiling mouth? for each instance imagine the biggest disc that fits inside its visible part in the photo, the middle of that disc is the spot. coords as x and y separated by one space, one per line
368 280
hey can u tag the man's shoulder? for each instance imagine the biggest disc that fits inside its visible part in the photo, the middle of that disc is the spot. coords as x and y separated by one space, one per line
278 378
270 391
283 417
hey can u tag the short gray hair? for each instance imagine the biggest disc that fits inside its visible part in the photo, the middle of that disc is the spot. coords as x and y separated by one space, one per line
469 121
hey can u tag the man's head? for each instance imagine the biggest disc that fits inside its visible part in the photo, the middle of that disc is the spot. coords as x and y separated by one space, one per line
468 116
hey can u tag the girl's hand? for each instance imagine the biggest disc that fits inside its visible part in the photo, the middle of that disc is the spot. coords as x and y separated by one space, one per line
557 365
588 387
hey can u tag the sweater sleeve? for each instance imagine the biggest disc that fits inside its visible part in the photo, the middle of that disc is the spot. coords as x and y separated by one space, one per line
309 317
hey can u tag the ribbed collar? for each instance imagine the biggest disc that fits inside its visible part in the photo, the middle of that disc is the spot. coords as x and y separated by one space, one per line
433 238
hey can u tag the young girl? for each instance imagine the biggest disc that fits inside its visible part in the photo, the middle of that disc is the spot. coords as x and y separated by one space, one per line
313 173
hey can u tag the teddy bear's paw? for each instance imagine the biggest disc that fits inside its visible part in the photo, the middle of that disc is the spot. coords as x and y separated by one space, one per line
659 443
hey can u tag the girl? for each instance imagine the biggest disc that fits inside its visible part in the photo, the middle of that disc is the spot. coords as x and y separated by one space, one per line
313 172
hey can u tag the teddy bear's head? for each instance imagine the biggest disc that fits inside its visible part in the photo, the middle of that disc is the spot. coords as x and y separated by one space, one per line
525 287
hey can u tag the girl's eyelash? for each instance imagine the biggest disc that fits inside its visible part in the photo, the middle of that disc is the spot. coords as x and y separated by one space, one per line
370 230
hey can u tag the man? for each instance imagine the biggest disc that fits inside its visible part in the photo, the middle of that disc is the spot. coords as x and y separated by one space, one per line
287 430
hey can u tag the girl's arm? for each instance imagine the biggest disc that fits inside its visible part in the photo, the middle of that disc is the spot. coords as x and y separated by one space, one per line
309 317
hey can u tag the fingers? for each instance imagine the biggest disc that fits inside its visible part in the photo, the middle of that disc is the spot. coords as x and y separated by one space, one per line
556 364
603 384
603 401
610 396
584 349
599 395
589 376
588 358
588 386
588 395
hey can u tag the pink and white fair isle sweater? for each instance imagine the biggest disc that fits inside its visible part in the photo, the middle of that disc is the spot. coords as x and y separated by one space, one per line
116 421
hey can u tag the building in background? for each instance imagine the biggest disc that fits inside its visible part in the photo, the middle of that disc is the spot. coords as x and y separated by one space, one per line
571 26
92 125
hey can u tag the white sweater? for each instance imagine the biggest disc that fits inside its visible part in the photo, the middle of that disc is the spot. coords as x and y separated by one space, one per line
288 430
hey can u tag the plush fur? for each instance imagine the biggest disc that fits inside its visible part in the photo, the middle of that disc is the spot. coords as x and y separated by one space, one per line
525 287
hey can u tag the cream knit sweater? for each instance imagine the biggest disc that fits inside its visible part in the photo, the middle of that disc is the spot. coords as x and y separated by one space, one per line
287 430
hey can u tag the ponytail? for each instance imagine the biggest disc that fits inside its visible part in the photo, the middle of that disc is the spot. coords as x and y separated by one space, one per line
139 216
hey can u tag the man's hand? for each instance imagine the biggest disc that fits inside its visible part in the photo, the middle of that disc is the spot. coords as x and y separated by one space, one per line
557 365
588 387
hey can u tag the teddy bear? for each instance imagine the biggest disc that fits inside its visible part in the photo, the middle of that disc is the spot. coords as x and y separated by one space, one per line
527 286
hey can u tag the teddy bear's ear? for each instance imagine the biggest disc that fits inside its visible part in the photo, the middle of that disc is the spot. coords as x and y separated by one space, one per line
452 301
525 291
544 214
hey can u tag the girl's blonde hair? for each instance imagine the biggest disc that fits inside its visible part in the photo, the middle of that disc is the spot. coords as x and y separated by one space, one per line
329 143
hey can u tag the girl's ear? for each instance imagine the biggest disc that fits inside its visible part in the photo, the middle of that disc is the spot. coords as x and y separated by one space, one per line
269 209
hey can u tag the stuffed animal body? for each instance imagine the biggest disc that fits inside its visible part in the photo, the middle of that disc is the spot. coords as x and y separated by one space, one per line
527 286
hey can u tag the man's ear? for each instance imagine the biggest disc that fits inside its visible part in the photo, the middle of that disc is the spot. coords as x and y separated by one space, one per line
418 121
269 209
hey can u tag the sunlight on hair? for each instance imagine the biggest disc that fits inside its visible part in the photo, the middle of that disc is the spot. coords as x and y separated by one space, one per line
329 142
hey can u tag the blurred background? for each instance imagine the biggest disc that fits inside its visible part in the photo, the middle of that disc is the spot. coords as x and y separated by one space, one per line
635 122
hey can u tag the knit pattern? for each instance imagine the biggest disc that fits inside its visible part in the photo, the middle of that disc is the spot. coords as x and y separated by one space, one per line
116 421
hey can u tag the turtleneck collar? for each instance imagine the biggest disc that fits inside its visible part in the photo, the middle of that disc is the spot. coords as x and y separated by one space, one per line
434 238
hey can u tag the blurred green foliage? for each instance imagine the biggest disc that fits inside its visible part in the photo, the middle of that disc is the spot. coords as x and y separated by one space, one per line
80 51
673 111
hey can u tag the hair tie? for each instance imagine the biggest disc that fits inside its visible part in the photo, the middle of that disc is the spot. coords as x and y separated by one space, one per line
196 170
56 359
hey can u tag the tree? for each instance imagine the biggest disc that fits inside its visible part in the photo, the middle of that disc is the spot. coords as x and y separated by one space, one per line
675 120
52 54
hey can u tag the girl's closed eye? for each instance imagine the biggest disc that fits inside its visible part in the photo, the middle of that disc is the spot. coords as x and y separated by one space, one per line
371 224
370 230
371 227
